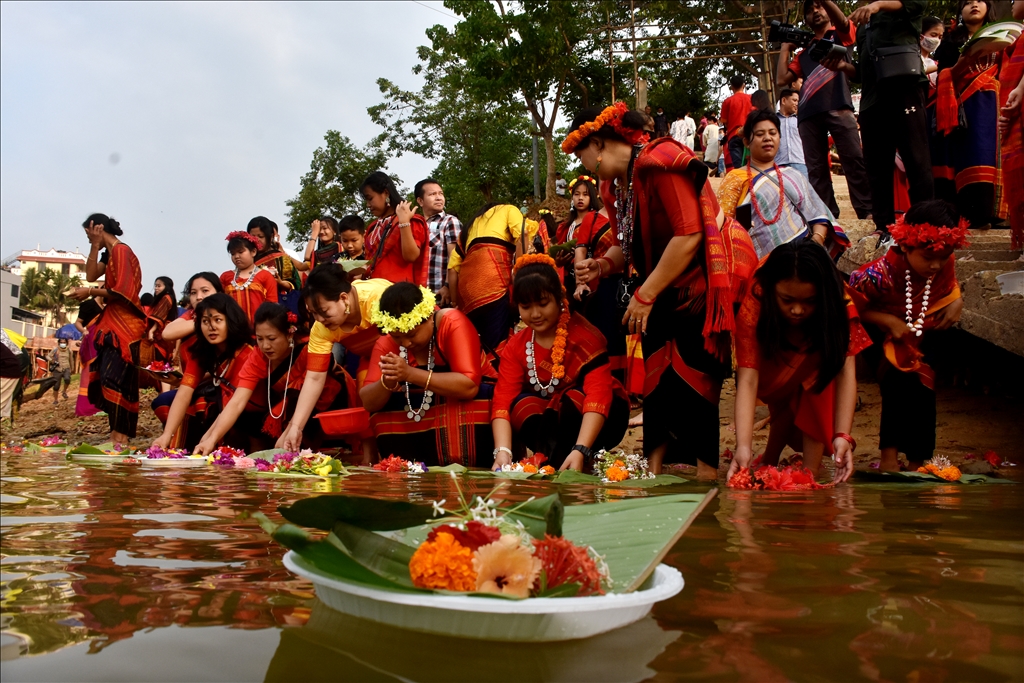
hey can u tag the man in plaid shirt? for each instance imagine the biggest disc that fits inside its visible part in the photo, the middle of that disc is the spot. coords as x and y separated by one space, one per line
444 233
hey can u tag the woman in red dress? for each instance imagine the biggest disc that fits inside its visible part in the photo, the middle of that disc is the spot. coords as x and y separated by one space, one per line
222 346
396 242
692 264
248 284
797 334
272 258
424 385
270 381
555 390
113 378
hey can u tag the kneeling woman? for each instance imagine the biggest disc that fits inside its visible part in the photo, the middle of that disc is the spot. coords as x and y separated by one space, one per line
279 370
555 388
222 346
423 386
343 312
796 337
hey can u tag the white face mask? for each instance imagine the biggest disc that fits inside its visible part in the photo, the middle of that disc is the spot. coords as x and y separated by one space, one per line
929 44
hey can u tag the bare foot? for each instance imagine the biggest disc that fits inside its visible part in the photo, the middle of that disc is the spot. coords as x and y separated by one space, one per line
760 424
637 421
706 472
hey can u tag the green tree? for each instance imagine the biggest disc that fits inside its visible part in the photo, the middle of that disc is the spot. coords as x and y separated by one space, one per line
45 291
331 186
482 150
32 283
522 55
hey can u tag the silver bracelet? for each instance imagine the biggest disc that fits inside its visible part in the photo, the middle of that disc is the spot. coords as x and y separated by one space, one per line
499 449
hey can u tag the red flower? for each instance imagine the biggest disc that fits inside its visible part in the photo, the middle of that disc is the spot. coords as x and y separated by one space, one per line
391 464
992 458
475 535
292 318
563 562
536 459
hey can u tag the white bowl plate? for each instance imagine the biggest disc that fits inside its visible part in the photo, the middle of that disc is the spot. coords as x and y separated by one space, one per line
99 457
530 620
172 462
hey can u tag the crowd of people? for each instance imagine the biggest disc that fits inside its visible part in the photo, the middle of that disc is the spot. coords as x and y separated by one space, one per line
474 341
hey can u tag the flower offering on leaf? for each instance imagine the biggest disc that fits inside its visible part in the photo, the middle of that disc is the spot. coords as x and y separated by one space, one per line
157 453
942 468
305 462
564 562
619 466
396 464
768 478
444 564
506 567
530 465
160 366
53 440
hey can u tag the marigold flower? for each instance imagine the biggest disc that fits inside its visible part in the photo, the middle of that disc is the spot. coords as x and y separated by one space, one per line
616 473
443 564
530 468
547 469
506 567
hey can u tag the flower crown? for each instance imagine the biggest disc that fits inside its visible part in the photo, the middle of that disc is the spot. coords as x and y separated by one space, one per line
609 116
388 323
931 237
544 212
584 178
527 259
243 235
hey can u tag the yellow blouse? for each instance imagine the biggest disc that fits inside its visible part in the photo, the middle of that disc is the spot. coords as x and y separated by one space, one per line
504 222
321 339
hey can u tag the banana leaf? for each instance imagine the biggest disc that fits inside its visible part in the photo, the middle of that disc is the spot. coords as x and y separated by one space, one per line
372 514
556 249
328 557
574 477
540 516
83 449
926 478
268 454
350 265
381 555
454 467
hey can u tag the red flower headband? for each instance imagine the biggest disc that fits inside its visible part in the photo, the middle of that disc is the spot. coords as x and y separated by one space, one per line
243 235
610 116
292 318
928 236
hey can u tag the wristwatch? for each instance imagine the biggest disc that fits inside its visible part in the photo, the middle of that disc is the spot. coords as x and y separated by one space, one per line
584 450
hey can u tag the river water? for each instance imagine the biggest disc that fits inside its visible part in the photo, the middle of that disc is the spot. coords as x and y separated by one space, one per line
123 573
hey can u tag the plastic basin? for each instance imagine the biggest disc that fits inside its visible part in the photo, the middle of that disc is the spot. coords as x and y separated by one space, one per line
344 422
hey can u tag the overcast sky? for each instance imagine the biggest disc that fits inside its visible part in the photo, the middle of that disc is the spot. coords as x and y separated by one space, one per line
184 120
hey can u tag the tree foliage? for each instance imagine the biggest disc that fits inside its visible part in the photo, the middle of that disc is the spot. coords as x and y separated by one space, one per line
45 291
331 186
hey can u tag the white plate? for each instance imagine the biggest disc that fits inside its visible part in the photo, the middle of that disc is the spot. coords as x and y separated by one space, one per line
531 620
172 462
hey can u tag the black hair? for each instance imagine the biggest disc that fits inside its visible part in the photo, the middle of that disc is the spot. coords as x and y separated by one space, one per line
828 329
400 298
331 222
786 92
466 225
712 117
759 100
352 222
239 332
757 116
169 293
959 36
938 212
595 198
268 228
273 313
533 282
237 243
328 280
928 23
146 298
109 224
809 5
633 120
737 81
381 182
550 223
418 190
204 275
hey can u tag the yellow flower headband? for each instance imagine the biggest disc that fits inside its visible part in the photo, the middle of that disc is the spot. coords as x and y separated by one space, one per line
584 178
388 323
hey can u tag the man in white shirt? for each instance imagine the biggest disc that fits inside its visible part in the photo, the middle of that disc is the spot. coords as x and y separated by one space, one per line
560 185
683 129
711 144
791 147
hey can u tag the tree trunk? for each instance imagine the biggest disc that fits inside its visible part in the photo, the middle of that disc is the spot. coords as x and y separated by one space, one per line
549 154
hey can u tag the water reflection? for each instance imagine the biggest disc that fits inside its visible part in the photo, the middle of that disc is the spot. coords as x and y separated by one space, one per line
866 581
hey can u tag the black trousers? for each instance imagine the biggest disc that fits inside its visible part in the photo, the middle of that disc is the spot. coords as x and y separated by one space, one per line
734 148
897 121
842 125
908 414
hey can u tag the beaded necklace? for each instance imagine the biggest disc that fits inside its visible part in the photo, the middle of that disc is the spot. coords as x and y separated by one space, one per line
248 282
624 212
753 195
917 325
557 356
284 402
416 414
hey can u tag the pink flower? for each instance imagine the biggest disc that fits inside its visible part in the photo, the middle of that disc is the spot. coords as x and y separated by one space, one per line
245 463
506 567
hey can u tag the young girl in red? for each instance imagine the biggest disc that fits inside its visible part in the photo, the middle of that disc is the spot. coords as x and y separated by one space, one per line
906 294
797 333
248 284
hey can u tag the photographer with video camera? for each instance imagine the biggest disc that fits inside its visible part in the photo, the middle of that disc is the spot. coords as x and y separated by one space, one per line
826 107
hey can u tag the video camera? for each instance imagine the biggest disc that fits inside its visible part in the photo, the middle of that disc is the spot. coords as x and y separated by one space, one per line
787 33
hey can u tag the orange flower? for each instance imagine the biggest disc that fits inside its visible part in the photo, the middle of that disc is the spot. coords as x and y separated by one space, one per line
559 342
547 469
558 371
506 567
950 473
443 564
619 463
527 259
530 468
616 473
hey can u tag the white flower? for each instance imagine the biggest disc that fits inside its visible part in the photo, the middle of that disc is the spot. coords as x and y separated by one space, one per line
438 506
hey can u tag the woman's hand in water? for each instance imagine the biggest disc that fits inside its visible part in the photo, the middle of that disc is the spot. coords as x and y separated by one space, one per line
205 447
291 439
740 460
844 459
161 441
404 212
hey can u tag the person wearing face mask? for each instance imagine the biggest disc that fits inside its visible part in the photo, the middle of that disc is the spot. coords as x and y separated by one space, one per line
424 386
222 346
60 368
343 311
932 30
270 381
